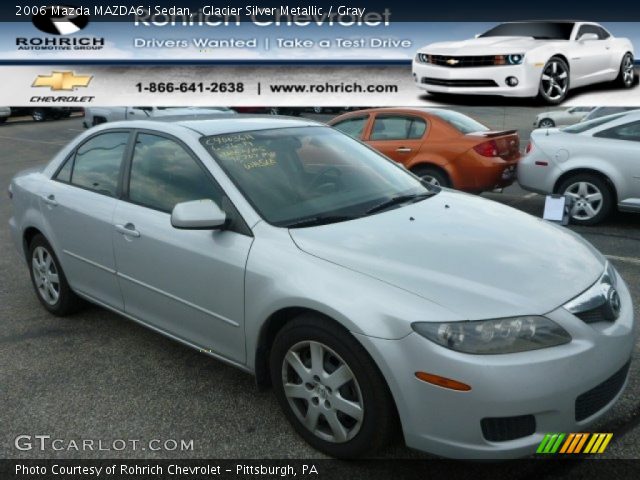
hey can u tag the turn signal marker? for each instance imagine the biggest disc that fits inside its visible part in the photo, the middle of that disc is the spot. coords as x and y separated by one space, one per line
442 382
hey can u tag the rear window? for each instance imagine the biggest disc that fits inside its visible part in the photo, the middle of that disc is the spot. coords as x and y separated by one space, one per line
584 126
537 30
460 122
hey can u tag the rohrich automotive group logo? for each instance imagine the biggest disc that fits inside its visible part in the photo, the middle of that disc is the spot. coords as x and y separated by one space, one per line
62 21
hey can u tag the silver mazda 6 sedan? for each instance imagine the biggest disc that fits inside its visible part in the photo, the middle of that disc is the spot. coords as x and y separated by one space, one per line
367 299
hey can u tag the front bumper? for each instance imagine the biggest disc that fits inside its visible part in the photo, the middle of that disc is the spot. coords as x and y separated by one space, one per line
472 81
543 383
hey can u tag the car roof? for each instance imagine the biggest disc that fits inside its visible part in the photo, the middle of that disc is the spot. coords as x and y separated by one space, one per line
218 124
428 110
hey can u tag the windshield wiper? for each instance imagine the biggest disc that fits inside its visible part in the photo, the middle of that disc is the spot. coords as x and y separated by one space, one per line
400 199
319 220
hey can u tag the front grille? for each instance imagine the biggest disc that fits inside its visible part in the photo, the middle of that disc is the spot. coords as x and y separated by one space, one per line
503 429
591 402
458 83
458 62
594 315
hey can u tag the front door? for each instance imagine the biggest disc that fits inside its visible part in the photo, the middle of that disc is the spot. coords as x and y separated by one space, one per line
188 283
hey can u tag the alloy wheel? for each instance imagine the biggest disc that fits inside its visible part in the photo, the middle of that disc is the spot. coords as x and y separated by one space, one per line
45 274
587 200
546 123
322 391
555 80
628 70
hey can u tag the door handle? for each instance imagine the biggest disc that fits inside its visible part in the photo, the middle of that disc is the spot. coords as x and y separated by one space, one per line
129 230
403 149
50 200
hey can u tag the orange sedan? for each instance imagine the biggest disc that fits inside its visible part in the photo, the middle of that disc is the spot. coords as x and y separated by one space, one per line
444 147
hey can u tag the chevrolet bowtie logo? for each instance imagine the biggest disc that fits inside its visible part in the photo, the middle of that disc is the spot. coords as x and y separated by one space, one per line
62 81
453 61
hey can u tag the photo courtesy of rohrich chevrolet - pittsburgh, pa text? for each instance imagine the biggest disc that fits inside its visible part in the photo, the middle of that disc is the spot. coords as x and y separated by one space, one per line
320 240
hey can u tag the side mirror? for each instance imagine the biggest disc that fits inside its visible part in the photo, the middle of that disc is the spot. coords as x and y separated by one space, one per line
198 215
477 35
588 37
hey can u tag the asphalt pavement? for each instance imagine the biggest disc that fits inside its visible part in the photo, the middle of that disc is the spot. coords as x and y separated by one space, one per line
96 375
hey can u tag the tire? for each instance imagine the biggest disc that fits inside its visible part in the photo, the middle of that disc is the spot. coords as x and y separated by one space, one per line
581 187
2 120
43 263
432 175
546 123
627 74
554 82
318 110
365 388
38 115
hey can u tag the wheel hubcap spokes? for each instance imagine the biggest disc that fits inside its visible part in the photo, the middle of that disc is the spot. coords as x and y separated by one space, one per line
587 200
431 180
322 391
555 80
628 70
45 275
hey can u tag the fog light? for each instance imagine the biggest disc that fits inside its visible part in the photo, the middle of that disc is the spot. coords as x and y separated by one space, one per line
512 81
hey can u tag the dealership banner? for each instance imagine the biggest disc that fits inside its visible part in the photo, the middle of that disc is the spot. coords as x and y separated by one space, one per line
313 54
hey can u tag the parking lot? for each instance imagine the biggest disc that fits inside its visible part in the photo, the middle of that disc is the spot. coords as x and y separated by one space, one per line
99 376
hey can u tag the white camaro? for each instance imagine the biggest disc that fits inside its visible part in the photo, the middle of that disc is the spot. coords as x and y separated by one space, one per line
526 59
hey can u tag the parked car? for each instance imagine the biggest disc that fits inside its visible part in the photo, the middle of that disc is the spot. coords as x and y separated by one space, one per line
98 115
527 59
443 147
361 294
5 113
562 117
599 112
293 111
41 114
595 163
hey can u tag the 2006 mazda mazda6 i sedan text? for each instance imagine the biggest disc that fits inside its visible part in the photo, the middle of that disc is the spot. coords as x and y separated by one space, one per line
367 298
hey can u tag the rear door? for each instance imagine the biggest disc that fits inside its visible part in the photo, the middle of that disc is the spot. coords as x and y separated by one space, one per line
189 283
79 203
397 136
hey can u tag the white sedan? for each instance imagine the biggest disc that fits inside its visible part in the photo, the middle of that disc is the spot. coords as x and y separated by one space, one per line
526 59
595 163
562 117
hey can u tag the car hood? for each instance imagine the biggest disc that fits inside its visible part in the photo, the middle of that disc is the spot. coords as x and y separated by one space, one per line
477 258
484 46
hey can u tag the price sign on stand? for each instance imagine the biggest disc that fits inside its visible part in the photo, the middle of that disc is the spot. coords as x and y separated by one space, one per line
557 208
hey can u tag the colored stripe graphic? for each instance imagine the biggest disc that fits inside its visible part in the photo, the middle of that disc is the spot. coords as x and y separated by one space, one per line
574 443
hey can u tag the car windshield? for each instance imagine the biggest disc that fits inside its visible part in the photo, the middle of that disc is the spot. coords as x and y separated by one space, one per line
460 122
537 30
302 176
584 126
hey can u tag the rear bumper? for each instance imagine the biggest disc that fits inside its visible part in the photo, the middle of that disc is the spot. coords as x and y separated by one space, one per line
478 80
481 174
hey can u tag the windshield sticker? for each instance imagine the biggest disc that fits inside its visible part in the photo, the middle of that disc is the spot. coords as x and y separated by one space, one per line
242 149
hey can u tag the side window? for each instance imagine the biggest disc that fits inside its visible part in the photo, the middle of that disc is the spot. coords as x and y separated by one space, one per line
353 126
163 173
398 128
97 163
600 32
64 174
629 132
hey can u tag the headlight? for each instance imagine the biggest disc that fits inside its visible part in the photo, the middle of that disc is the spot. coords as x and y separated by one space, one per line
501 335
512 59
